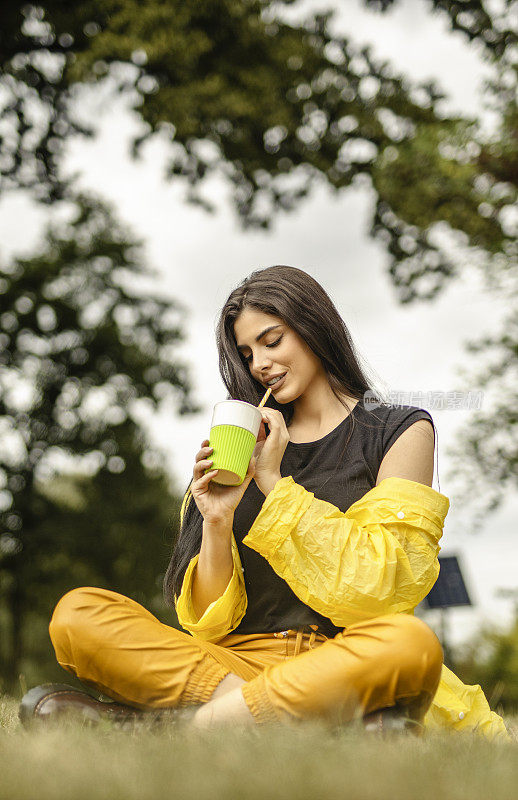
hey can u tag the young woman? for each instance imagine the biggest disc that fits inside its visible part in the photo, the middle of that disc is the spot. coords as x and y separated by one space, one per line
297 587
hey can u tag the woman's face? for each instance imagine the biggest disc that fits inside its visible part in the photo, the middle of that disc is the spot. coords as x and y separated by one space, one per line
276 352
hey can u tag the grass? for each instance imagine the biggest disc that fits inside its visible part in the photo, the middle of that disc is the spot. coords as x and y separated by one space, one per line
139 762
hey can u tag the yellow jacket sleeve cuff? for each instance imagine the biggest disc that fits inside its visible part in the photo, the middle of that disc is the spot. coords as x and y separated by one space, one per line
222 615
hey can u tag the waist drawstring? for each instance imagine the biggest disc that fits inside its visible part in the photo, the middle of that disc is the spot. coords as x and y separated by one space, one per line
312 637
300 634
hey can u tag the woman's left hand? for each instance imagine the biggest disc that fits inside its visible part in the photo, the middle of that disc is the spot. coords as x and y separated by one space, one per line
270 450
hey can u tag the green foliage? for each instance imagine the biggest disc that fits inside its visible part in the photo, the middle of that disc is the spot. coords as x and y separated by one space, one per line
491 659
113 530
77 331
273 108
449 178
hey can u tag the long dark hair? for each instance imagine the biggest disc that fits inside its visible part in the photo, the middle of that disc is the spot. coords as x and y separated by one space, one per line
300 301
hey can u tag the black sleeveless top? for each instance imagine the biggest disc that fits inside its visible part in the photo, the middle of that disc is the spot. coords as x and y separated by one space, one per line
340 478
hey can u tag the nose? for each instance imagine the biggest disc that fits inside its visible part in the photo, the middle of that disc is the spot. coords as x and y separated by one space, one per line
263 366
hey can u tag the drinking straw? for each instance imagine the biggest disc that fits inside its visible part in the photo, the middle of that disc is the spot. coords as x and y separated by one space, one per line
265 398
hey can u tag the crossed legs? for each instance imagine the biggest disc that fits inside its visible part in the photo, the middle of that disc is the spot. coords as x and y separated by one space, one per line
114 644
379 663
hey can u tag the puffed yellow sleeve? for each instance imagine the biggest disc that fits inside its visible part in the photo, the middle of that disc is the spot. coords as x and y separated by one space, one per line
378 557
459 707
221 616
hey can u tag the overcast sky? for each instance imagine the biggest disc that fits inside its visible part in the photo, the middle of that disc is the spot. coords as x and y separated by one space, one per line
201 258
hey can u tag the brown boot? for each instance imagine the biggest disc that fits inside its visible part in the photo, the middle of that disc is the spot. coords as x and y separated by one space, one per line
54 701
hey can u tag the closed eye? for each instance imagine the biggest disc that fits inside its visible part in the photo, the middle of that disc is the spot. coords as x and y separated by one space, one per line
273 344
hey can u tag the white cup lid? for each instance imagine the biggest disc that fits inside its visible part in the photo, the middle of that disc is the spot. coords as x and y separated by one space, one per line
238 413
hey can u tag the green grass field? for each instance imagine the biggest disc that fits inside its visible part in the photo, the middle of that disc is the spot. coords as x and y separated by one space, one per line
307 762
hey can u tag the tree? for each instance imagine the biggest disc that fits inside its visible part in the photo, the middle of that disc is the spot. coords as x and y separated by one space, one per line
275 108
485 453
272 107
81 343
113 529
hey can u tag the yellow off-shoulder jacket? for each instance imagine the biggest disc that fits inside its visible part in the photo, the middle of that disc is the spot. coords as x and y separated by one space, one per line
378 557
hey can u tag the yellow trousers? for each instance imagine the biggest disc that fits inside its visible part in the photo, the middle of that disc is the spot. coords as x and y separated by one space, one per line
113 644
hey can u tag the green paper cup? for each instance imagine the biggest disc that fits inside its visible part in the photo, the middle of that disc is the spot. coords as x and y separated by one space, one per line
233 435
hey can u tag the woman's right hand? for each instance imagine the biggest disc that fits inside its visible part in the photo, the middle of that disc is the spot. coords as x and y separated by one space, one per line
216 503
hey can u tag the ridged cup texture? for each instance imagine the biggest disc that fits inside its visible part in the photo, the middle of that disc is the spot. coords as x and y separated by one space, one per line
233 448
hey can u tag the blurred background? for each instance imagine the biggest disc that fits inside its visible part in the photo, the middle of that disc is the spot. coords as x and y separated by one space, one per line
152 155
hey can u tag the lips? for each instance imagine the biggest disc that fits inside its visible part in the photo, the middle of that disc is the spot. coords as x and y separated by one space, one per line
279 383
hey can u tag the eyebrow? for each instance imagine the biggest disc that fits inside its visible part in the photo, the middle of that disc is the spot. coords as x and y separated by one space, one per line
259 336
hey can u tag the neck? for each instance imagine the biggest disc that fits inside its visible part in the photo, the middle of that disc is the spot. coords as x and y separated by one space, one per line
318 407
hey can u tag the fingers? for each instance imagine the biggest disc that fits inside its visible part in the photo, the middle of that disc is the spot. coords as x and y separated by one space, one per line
271 414
205 448
273 418
206 478
201 486
200 467
277 425
203 460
